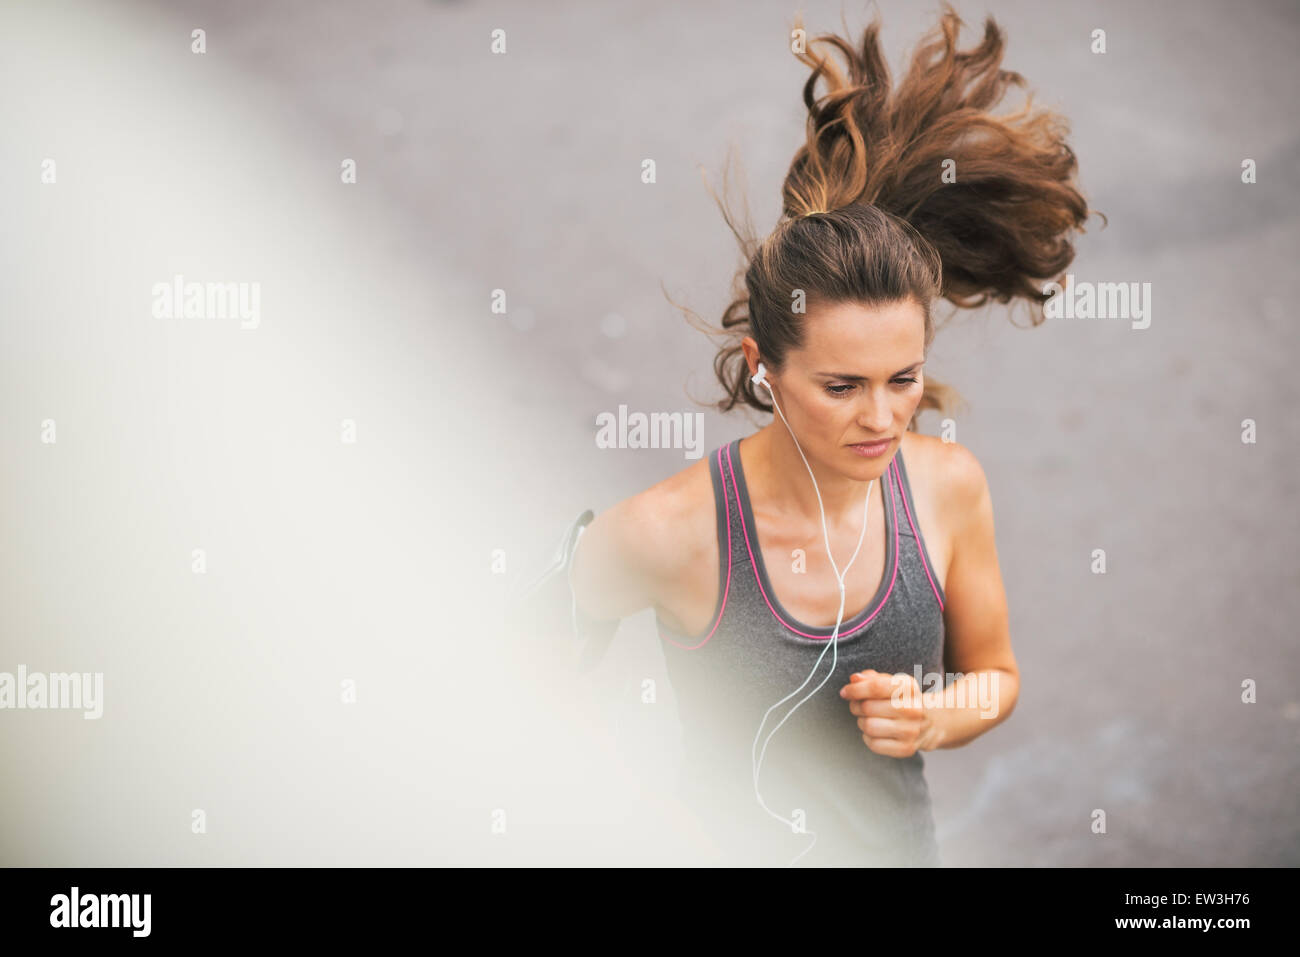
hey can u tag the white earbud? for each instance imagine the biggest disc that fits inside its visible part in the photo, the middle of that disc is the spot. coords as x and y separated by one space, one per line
756 756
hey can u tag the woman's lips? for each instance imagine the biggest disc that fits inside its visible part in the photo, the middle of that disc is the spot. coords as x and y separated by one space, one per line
871 449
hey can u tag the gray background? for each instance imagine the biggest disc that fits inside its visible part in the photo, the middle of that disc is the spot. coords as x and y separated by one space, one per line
372 562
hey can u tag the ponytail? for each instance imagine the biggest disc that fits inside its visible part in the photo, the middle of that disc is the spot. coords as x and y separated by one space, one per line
993 194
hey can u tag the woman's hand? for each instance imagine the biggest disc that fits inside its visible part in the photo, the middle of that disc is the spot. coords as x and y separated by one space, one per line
891 713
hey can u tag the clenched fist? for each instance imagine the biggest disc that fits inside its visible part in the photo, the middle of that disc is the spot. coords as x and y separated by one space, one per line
891 713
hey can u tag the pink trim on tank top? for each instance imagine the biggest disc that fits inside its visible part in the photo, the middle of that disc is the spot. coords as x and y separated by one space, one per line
758 578
727 587
921 552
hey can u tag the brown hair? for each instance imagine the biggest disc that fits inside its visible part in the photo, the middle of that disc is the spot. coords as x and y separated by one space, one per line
867 216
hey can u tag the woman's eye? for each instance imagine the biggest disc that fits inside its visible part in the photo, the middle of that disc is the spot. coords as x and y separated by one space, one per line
841 390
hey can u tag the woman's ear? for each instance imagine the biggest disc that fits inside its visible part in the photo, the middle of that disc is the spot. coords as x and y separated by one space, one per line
752 355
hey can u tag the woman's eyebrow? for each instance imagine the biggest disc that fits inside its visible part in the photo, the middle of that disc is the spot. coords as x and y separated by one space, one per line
863 378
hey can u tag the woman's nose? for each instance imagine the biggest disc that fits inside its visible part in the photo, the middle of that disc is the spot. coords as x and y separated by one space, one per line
876 416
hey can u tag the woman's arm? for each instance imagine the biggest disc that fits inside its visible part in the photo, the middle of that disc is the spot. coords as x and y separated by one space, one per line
977 637
896 716
610 576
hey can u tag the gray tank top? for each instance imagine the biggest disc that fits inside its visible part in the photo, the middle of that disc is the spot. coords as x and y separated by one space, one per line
866 809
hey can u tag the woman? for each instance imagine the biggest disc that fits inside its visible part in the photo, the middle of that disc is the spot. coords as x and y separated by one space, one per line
899 197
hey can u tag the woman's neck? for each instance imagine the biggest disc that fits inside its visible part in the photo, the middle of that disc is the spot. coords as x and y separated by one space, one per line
780 479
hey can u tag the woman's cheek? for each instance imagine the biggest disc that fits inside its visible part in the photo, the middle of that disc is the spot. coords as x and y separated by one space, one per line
911 401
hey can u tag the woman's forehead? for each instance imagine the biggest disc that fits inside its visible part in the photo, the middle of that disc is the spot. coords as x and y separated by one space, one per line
883 333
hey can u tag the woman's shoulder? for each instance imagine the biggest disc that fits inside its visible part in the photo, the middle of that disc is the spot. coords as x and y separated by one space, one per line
944 472
674 519
643 547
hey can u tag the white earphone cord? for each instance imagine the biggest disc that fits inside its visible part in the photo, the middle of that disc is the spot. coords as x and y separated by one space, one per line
756 760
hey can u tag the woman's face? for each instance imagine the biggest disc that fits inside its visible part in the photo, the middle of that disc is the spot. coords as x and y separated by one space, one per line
857 379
